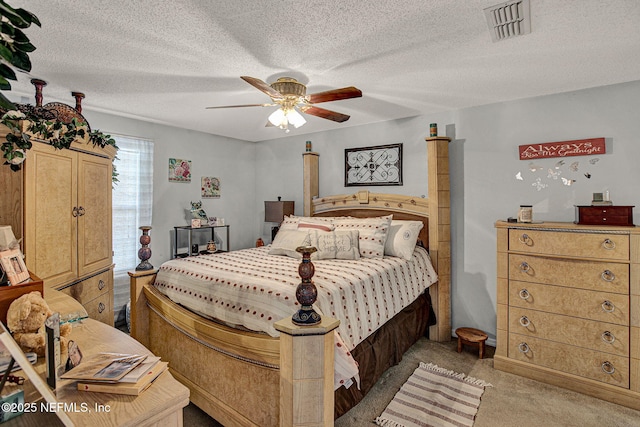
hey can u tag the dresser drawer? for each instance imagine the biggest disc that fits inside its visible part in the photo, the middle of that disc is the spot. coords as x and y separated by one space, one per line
593 275
90 288
601 306
595 365
100 309
604 337
562 243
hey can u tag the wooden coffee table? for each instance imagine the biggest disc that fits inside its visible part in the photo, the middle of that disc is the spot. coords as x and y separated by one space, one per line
159 405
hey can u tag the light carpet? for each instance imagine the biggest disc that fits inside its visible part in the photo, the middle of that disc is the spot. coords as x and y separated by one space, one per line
434 396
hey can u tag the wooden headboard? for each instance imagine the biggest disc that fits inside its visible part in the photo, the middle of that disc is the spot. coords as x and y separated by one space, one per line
435 212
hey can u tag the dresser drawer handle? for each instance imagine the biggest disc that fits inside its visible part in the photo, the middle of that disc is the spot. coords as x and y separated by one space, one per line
608 368
523 347
524 294
524 267
101 284
525 322
608 307
101 307
608 276
526 239
609 244
608 337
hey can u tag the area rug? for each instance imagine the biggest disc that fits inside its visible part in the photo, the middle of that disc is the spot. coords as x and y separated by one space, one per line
433 396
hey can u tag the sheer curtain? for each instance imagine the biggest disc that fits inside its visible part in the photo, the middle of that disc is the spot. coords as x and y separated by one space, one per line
132 202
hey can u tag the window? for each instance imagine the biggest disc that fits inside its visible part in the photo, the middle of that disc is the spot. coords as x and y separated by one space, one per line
131 208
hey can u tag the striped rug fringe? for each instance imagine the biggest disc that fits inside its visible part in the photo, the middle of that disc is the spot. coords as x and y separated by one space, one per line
470 380
434 396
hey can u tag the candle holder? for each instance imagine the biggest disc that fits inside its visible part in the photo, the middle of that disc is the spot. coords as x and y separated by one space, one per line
144 253
306 292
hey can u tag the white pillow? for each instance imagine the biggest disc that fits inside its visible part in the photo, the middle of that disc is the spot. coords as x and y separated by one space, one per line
402 238
372 233
287 241
290 222
313 223
336 244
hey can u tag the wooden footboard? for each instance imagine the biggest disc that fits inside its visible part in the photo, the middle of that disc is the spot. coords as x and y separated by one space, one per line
240 378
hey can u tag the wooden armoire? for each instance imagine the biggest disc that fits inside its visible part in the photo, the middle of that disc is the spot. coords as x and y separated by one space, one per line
59 203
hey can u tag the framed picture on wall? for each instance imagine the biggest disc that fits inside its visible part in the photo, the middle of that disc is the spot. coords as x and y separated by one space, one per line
210 187
380 165
13 265
179 170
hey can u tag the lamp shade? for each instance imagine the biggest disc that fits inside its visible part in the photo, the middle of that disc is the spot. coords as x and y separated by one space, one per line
275 211
7 238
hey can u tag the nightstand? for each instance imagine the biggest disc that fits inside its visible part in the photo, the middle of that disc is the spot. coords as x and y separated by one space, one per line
209 229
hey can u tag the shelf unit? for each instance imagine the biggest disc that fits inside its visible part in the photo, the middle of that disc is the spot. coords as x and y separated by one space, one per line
190 230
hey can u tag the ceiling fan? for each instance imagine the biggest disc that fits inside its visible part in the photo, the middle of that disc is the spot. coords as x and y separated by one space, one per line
291 96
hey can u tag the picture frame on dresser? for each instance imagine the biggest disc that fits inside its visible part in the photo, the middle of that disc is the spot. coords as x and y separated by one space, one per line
13 265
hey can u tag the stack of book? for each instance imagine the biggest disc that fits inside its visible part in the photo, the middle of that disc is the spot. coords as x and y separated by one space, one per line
117 373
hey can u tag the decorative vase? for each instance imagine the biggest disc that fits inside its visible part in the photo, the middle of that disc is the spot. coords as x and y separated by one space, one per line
144 253
306 292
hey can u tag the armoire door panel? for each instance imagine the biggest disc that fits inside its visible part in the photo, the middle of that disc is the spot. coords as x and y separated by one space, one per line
51 229
94 221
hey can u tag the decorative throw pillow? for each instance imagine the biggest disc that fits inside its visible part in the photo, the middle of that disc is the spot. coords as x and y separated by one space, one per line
336 244
402 238
315 224
287 241
290 222
372 233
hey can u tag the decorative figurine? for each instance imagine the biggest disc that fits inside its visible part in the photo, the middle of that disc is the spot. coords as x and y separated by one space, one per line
199 213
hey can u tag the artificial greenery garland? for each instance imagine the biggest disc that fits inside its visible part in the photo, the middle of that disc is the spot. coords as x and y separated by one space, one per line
56 133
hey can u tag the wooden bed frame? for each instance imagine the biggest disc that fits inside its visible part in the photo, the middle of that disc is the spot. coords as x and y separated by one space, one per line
234 375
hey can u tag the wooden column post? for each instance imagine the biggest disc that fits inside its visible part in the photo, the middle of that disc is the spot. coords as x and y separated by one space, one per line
306 373
311 186
440 233
139 309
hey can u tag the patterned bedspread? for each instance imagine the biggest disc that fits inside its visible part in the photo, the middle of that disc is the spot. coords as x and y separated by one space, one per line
253 289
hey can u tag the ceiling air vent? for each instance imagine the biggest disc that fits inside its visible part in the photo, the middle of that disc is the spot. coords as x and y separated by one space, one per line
510 19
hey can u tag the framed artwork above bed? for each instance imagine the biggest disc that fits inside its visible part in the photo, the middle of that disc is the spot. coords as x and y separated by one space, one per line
379 165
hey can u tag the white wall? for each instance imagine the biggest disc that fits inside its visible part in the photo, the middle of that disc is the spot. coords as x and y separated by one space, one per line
484 163
229 159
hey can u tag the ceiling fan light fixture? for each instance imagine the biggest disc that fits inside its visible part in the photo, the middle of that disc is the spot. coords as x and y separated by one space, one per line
278 118
295 118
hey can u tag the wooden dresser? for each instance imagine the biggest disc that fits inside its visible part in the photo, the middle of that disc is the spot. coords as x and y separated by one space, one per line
568 307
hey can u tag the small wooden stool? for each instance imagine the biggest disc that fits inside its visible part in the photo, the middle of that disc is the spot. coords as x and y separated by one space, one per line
471 336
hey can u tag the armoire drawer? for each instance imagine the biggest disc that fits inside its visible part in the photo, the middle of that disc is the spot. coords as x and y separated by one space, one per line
100 309
599 336
595 365
573 244
592 275
90 288
601 306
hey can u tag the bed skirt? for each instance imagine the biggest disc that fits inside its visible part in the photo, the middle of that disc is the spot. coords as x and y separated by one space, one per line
384 349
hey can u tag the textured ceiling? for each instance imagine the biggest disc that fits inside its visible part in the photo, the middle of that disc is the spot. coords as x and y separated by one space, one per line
165 61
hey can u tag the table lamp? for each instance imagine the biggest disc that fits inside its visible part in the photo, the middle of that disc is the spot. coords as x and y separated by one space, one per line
275 212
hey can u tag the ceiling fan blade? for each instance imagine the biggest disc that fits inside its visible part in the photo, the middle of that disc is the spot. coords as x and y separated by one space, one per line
262 86
237 106
335 95
325 114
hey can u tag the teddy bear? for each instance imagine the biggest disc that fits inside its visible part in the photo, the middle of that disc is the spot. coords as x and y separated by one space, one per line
25 319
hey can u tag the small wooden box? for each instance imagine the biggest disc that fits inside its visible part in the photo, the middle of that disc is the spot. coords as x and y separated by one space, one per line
9 293
605 215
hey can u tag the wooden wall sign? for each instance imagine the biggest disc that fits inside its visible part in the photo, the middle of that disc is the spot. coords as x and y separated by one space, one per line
578 147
